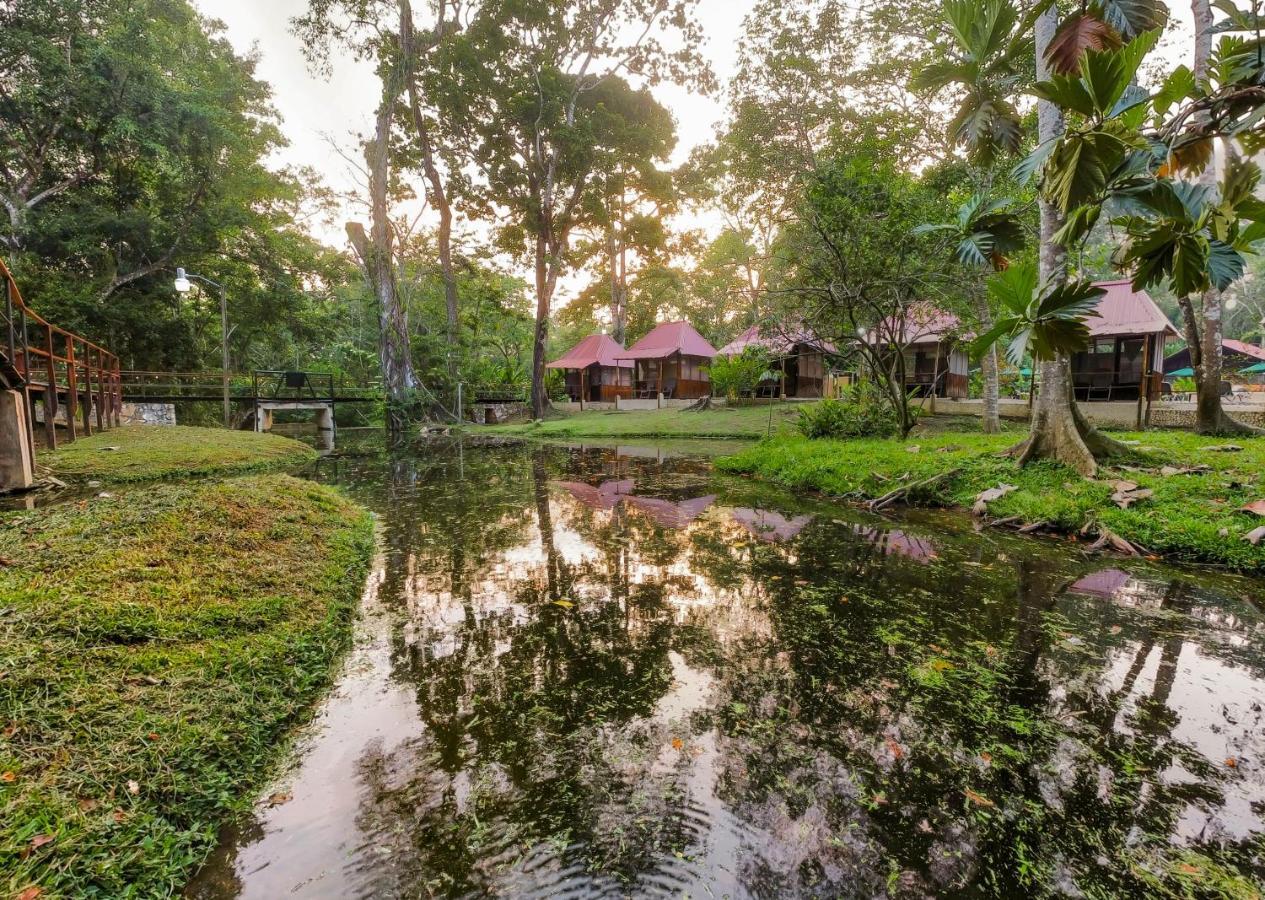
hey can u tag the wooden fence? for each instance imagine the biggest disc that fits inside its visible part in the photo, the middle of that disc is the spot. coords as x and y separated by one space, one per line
60 369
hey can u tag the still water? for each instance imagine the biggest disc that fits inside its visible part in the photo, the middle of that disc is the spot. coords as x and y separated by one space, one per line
610 672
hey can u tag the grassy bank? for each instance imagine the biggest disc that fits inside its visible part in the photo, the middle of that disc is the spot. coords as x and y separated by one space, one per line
747 422
1191 516
145 452
155 648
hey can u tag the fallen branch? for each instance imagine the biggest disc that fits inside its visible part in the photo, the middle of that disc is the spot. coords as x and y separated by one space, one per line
901 493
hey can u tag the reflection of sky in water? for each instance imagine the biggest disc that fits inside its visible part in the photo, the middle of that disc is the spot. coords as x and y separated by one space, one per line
597 674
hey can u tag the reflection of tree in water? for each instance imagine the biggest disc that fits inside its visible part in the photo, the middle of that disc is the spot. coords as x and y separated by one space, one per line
914 717
520 710
884 720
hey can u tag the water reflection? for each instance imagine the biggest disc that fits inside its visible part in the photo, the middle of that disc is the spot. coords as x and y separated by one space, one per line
595 673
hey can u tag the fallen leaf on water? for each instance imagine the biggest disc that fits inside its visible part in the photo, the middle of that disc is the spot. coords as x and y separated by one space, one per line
978 799
1256 508
677 743
133 787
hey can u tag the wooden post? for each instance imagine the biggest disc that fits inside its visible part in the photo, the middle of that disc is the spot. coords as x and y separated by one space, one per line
658 392
72 390
1144 389
583 388
50 392
103 421
86 409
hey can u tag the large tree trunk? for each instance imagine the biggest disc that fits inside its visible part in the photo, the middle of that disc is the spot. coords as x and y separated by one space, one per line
378 263
1059 430
988 365
539 398
435 192
1204 334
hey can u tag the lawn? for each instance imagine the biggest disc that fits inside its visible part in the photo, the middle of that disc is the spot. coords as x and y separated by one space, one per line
156 647
145 452
1192 516
748 422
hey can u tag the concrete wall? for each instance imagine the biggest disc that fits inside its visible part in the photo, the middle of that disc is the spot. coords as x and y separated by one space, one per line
149 414
496 413
654 404
1119 414
570 407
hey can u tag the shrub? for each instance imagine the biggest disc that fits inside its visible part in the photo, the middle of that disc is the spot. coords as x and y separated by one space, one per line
732 376
861 411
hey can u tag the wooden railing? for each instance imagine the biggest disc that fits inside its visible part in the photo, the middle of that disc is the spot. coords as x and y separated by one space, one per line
59 366
174 387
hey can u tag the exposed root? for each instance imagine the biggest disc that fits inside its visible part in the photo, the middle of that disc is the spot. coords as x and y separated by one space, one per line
699 405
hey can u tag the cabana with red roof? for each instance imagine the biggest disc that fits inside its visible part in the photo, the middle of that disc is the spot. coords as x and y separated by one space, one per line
1235 354
671 361
800 354
594 373
1126 347
936 362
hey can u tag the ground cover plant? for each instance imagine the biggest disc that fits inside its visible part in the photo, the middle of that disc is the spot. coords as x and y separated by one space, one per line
144 452
1198 486
155 648
754 421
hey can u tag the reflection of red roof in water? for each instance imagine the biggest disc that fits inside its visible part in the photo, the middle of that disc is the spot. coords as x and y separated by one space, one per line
672 514
768 525
1106 583
604 496
895 541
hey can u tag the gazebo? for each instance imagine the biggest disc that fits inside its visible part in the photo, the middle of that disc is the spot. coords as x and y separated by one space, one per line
671 361
800 354
593 372
1126 347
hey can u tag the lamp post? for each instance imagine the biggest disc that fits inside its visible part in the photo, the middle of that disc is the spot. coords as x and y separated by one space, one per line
184 284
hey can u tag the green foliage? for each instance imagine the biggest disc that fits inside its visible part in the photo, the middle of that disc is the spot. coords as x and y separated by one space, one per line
987 231
1038 323
151 685
861 411
734 376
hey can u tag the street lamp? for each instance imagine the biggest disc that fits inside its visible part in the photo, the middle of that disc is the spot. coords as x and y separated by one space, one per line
184 284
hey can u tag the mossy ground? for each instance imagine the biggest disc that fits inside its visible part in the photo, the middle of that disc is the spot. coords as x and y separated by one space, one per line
721 422
146 684
1183 520
146 452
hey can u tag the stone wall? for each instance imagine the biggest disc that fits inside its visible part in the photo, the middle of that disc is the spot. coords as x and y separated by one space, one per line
497 413
149 414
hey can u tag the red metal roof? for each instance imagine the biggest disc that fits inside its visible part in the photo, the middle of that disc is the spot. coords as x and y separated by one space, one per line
1122 310
776 342
669 338
596 348
924 324
1244 348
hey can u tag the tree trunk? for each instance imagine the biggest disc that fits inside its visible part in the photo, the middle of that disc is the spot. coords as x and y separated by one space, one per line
539 398
1210 415
435 192
377 260
988 365
1059 431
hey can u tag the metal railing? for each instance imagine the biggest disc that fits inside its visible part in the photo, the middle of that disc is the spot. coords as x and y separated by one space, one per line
57 365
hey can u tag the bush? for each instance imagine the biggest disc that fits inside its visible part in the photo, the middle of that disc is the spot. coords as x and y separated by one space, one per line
733 376
861 411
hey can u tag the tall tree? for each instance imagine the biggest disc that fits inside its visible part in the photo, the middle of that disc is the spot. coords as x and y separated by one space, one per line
537 96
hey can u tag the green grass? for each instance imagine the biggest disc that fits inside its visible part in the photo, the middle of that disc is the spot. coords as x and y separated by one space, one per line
149 452
1184 520
749 422
156 647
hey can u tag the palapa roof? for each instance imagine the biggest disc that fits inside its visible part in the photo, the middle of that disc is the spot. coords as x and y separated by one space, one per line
596 348
1123 311
781 343
669 338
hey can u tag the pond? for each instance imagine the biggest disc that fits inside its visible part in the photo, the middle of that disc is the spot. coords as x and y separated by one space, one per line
607 671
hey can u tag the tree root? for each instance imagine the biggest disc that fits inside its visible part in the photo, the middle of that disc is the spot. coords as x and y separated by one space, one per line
699 405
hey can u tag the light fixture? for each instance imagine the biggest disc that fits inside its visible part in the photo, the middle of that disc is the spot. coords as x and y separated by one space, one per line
183 284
